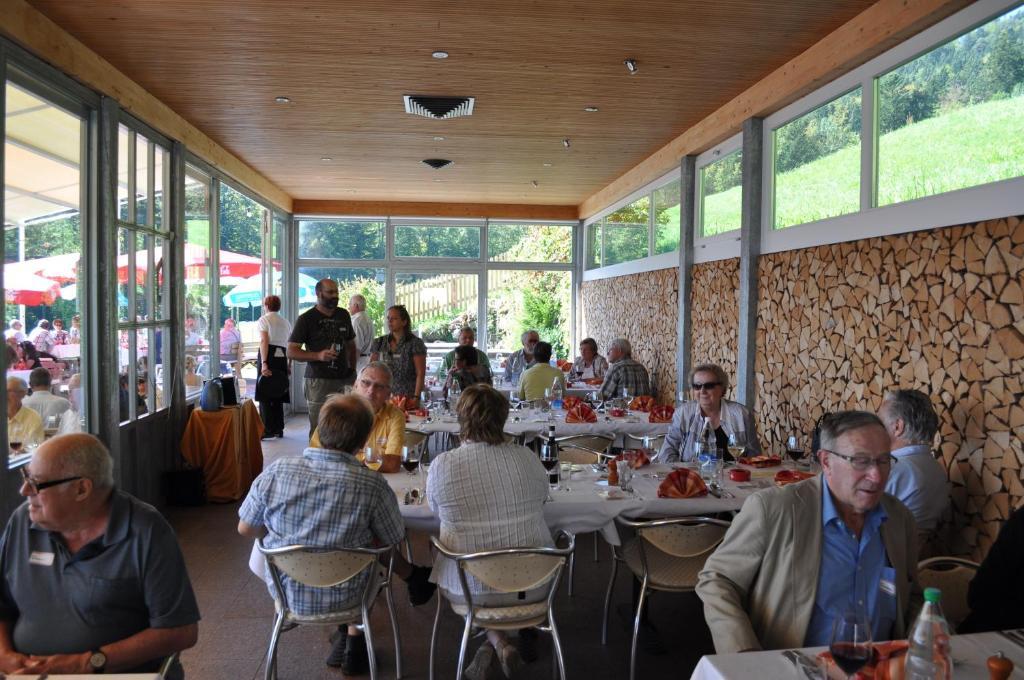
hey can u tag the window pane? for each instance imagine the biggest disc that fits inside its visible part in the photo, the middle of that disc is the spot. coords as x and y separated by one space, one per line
369 282
122 172
666 218
817 163
341 240
720 197
439 305
43 239
143 279
529 242
130 403
197 280
142 180
518 301
594 244
161 179
954 117
161 279
437 241
277 246
123 265
626 231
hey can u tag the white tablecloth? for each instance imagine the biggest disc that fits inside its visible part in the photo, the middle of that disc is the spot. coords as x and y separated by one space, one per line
581 509
970 653
67 352
532 423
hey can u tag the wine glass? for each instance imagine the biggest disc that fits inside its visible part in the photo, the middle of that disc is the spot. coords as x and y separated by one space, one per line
411 459
793 449
373 458
425 399
737 444
851 641
549 459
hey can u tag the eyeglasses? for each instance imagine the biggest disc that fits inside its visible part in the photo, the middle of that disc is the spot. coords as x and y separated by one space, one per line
39 486
865 463
370 385
705 386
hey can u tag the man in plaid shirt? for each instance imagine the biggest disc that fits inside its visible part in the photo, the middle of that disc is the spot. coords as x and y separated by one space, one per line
326 498
624 373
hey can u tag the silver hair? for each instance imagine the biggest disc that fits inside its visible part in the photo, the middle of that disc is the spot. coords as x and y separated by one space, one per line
84 455
359 300
623 346
836 425
719 373
915 409
526 334
379 366
468 329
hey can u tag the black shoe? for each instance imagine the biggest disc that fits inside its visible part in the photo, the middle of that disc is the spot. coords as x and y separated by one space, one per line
356 661
268 435
280 435
528 644
339 650
419 585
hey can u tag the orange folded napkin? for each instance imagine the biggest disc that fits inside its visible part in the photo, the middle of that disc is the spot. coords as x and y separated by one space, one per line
784 477
570 403
682 483
581 413
403 402
661 414
886 664
642 404
565 365
637 458
761 461
593 381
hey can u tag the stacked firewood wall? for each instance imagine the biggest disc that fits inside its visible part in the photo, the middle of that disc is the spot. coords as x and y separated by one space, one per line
643 309
714 315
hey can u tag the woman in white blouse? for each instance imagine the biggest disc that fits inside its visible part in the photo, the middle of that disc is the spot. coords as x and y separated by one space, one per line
589 364
488 495
272 384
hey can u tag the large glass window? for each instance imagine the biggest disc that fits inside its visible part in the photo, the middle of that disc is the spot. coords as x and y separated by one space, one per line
595 231
666 218
626 232
437 241
954 117
367 281
439 304
342 240
43 242
529 242
817 163
520 300
198 192
721 198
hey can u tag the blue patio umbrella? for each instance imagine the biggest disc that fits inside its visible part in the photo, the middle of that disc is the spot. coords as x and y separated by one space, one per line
249 293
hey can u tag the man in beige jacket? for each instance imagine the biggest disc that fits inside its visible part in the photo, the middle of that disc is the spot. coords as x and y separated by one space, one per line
795 557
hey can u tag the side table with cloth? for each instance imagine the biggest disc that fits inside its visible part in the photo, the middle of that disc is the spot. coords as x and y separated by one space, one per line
226 445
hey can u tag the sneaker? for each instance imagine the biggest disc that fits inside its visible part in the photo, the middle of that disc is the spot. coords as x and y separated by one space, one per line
528 644
356 661
477 668
510 660
419 585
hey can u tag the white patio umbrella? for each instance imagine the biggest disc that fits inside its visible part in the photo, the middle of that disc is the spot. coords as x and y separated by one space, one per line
249 293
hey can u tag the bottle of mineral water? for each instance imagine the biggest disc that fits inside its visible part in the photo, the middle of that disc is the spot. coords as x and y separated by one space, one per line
928 657
556 393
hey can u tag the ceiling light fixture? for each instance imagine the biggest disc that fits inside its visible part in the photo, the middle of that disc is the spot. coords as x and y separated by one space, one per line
437 163
590 109
631 66
535 184
282 100
547 165
566 143
439 138
326 159
439 54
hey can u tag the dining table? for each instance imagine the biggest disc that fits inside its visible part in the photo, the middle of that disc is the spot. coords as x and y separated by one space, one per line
969 653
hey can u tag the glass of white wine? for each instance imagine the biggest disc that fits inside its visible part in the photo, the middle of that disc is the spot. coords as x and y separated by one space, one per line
373 458
737 444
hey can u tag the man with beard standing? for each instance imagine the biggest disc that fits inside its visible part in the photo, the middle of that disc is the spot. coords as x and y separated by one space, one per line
330 349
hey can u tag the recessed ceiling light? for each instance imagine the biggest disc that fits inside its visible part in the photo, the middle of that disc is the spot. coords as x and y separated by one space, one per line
566 143
631 66
590 109
439 138
547 165
438 180
535 184
326 159
439 54
282 100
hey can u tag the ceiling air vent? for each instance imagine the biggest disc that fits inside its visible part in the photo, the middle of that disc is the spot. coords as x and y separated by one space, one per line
438 108
437 163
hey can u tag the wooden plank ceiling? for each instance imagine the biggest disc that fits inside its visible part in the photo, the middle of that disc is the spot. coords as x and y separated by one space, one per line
532 66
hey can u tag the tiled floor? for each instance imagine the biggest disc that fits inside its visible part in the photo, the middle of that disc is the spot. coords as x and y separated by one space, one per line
237 613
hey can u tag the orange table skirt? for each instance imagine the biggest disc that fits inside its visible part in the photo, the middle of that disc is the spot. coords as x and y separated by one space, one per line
226 445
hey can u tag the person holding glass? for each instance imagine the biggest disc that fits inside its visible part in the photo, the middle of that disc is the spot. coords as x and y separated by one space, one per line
404 353
466 370
488 494
272 383
589 365
709 383
801 556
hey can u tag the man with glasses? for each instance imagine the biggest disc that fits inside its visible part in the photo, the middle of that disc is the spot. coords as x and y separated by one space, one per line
798 556
93 580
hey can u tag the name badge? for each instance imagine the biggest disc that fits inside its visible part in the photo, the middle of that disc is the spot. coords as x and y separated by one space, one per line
43 559
887 587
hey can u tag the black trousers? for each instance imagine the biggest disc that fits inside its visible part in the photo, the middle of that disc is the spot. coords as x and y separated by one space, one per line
272 410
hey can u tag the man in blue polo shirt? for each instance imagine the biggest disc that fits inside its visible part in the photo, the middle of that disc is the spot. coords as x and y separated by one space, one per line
92 579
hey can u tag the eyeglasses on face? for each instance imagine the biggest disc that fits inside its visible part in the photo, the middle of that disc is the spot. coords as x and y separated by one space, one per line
37 486
697 387
865 463
370 385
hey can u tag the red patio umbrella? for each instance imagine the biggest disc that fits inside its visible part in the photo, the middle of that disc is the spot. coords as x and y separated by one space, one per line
29 289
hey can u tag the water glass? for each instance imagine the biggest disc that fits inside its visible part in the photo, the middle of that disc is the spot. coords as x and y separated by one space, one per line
707 462
425 399
625 471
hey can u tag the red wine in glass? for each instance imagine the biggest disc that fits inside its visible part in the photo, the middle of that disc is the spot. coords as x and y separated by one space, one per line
16 447
850 656
850 643
410 465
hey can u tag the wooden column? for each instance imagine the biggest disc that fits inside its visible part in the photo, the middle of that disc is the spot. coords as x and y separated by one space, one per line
174 347
750 251
687 230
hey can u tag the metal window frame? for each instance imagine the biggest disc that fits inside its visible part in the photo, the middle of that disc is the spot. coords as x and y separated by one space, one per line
726 244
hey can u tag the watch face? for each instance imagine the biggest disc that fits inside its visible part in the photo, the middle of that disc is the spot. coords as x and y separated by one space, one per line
98 660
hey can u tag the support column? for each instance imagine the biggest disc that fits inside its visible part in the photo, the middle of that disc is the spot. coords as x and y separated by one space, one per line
750 252
687 231
174 347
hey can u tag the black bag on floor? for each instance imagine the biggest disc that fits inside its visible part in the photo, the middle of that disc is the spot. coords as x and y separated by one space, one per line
185 487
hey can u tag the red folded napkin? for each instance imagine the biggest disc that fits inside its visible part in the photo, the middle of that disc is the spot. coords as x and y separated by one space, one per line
784 477
661 414
593 381
637 458
405 403
570 403
886 664
581 413
682 483
644 404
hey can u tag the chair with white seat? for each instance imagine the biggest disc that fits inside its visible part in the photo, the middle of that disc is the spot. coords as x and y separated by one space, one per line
652 442
325 569
509 570
666 555
951 575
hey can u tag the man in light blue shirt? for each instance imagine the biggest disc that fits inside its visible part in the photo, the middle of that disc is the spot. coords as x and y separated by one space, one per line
917 479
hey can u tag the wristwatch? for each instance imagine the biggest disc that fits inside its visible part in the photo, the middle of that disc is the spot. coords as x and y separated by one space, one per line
98 661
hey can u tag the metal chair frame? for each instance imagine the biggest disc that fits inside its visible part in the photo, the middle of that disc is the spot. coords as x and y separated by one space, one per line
470 618
645 584
283 614
954 611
